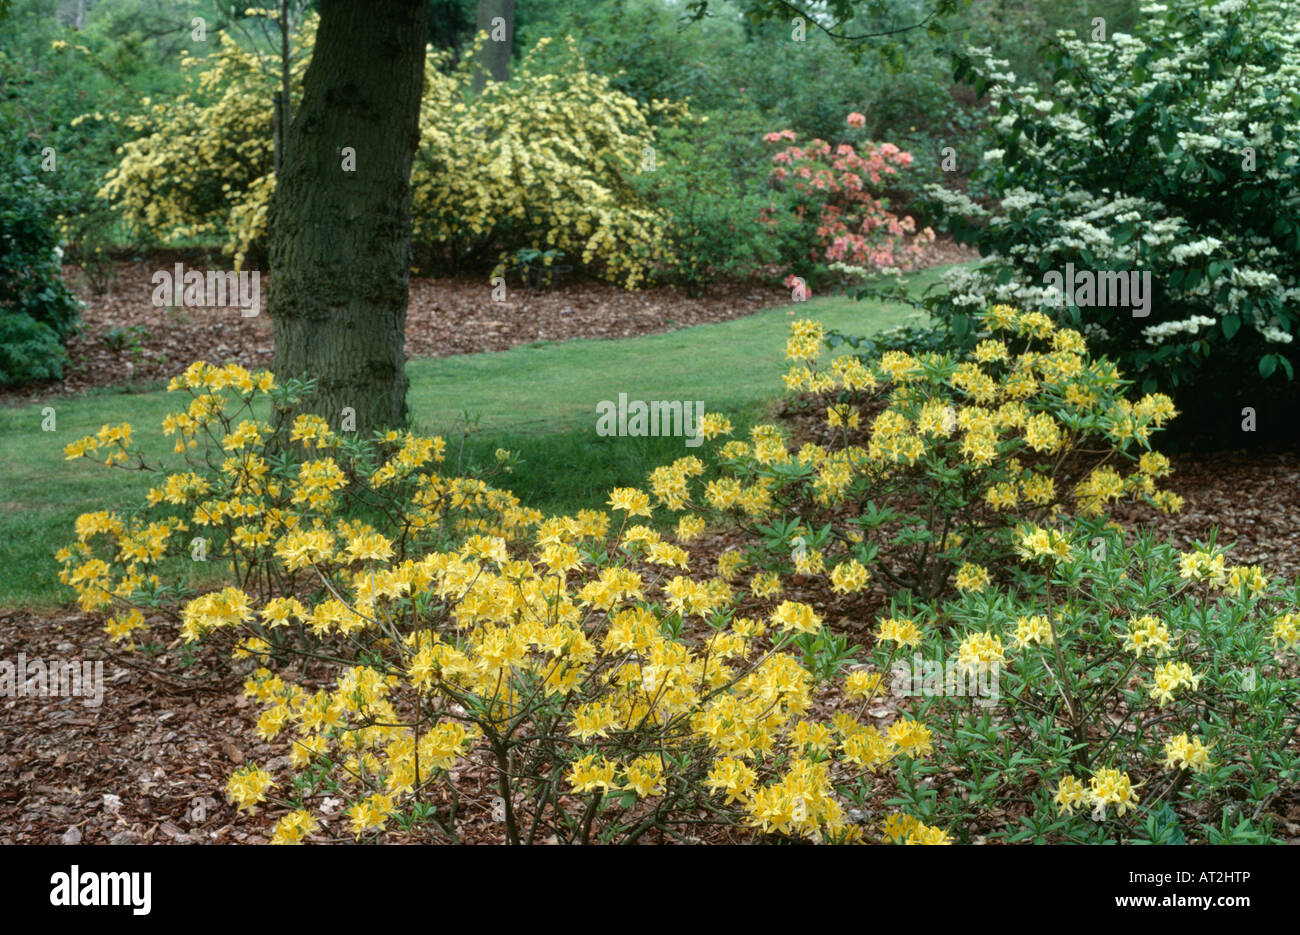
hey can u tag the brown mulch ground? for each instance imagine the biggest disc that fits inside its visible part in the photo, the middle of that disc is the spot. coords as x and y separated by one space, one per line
445 317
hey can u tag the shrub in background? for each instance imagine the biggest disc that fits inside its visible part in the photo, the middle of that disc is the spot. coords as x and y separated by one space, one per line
544 161
36 309
708 184
1168 151
201 163
840 220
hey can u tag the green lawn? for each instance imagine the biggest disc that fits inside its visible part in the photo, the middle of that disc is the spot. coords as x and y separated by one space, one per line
539 400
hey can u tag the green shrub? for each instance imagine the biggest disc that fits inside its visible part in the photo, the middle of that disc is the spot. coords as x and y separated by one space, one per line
709 188
1128 693
36 308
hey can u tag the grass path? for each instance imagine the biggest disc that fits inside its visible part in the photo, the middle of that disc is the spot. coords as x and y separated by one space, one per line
539 400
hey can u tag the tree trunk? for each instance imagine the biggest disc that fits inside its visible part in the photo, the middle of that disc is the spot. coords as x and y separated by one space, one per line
497 19
340 244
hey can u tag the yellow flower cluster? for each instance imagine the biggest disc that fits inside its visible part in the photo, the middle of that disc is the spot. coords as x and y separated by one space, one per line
1203 566
201 162
978 650
971 577
1032 630
248 786
1147 634
1107 787
904 632
1171 676
1038 544
1181 753
904 829
1286 631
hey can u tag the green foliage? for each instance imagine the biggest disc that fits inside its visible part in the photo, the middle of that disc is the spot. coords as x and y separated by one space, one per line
705 187
29 350
1169 152
1091 712
36 308
125 52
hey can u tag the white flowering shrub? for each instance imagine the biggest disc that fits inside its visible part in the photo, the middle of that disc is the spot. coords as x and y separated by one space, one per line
1171 151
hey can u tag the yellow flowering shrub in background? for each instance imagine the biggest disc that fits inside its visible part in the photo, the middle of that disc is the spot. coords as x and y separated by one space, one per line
578 676
926 465
541 161
202 163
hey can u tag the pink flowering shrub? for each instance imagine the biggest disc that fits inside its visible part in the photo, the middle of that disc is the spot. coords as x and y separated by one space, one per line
833 192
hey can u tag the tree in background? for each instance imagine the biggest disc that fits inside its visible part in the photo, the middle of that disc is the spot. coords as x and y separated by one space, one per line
340 241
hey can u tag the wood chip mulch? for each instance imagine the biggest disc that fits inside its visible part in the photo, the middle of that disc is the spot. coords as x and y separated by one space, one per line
126 340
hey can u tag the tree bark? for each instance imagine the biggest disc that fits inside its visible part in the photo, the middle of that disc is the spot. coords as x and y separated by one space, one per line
340 244
494 56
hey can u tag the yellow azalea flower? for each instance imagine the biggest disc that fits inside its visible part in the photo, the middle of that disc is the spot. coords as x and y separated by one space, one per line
1181 753
979 650
849 577
295 826
1070 794
901 631
1111 787
971 577
247 787
1147 633
792 615
1032 630
1170 677
634 502
1286 631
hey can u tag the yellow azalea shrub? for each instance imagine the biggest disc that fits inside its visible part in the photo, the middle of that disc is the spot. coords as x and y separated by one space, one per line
925 465
1118 691
574 678
542 161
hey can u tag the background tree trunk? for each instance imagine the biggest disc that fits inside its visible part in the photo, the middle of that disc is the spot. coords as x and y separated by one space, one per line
340 241
494 57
